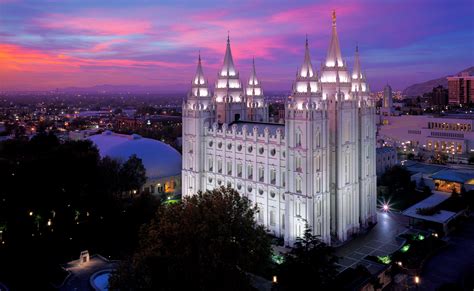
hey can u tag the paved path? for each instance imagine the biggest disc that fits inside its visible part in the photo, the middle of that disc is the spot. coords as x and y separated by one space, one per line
381 240
453 264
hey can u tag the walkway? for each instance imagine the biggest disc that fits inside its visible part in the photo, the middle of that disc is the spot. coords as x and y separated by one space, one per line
381 240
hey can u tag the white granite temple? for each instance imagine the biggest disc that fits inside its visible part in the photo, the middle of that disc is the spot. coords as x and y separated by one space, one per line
317 169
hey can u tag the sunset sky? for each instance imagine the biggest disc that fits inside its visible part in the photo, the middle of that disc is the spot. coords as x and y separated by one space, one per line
54 44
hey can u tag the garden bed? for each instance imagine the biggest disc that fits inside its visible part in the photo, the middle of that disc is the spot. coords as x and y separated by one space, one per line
416 249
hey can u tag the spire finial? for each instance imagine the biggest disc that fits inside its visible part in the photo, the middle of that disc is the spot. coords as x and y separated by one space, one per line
306 40
357 47
199 56
334 16
228 36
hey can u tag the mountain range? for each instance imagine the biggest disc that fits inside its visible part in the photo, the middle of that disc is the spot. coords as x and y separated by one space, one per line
425 87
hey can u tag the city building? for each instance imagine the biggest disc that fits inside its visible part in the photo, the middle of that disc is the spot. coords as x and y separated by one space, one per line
452 134
161 161
439 96
387 104
461 90
386 158
316 170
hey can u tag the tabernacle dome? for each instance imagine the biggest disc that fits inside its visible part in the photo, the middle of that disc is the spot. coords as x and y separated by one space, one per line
162 162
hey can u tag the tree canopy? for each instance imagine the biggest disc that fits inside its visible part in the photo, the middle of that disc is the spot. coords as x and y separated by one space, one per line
59 198
207 242
310 264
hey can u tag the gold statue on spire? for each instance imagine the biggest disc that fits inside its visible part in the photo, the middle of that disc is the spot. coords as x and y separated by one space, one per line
334 16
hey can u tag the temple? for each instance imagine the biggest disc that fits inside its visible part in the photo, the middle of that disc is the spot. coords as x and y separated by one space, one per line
316 170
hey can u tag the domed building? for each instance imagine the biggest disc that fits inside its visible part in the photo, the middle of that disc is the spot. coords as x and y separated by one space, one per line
161 161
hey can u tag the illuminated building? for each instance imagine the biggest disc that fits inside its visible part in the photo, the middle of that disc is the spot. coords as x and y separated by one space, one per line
316 169
461 90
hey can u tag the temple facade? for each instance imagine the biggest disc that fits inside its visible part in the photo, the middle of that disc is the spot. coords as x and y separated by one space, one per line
316 170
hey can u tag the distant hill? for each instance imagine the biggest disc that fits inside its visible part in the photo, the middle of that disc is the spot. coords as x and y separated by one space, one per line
425 87
121 89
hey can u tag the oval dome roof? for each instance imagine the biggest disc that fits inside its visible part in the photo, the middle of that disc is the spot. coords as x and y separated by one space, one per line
160 160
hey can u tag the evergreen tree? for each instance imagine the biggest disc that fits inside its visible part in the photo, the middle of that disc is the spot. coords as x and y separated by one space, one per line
310 263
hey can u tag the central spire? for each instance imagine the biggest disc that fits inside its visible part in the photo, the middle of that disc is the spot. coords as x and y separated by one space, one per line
334 57
228 68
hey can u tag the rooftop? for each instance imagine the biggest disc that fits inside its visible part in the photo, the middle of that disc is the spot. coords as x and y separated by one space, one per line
384 150
424 168
454 175
434 200
160 160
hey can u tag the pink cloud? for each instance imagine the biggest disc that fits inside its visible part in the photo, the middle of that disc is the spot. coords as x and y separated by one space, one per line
96 26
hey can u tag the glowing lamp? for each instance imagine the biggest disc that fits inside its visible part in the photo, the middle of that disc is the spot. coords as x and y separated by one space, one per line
385 207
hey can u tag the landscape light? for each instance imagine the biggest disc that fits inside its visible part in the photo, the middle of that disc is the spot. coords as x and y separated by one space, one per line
31 213
275 279
417 280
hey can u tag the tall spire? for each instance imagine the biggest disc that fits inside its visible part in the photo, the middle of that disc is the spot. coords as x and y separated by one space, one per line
334 56
253 86
199 86
359 83
228 68
253 74
199 77
307 68
357 72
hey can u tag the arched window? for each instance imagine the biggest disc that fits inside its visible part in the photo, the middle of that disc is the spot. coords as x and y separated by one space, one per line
298 138
298 185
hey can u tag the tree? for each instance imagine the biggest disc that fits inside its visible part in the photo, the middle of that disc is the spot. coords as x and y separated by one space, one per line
310 263
399 186
454 193
58 198
132 174
471 159
207 242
